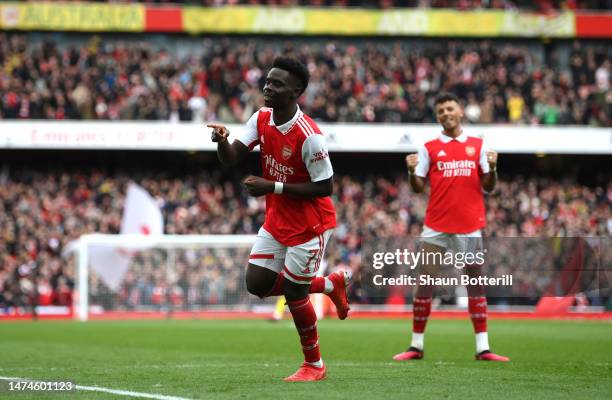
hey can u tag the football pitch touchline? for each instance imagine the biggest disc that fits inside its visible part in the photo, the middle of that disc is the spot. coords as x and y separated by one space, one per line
105 390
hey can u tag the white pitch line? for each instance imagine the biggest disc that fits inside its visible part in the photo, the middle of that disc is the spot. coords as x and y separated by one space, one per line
130 393
106 390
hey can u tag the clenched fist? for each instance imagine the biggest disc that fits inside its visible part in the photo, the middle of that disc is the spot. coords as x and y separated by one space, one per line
412 161
258 186
492 159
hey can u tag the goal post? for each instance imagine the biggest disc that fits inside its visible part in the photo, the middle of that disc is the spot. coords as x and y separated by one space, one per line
106 260
164 273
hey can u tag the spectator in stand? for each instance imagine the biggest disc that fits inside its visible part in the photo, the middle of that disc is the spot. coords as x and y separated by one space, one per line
516 106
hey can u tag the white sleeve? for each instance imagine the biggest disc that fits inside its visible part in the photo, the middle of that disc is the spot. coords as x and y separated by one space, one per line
484 164
316 158
422 168
248 135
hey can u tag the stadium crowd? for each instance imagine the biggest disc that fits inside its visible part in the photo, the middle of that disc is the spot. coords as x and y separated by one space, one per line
41 212
538 5
373 81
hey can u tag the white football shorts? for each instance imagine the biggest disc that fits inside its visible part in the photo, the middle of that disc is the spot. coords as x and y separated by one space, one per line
299 263
454 242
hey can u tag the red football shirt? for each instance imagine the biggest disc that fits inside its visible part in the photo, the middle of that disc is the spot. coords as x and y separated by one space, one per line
294 152
454 168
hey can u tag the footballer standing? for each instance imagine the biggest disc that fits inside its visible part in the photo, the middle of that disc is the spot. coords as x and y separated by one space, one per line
458 168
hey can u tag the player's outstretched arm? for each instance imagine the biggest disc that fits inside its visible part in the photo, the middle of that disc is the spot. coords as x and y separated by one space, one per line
258 186
229 154
416 182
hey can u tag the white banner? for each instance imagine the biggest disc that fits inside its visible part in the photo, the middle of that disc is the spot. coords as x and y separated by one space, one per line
400 138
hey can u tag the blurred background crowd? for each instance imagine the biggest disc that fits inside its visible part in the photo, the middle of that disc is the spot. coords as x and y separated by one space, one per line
535 5
59 77
180 78
42 211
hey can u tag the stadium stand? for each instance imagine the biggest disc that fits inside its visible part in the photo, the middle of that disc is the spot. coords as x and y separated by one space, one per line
42 210
125 78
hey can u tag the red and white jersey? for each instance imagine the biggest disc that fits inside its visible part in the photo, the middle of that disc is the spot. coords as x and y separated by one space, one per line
294 152
454 168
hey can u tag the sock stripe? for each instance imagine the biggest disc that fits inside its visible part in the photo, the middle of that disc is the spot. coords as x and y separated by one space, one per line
308 328
311 347
295 308
298 303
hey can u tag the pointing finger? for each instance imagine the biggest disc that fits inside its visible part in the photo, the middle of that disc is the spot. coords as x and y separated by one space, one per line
216 126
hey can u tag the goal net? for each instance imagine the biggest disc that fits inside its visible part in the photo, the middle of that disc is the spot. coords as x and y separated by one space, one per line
122 274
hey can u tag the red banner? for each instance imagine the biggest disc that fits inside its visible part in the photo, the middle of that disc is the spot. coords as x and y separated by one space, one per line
164 19
594 25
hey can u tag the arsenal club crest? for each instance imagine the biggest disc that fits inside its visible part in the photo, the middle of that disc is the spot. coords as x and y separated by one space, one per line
470 150
287 152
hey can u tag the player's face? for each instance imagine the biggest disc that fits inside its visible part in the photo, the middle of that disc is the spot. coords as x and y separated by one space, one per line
449 114
280 88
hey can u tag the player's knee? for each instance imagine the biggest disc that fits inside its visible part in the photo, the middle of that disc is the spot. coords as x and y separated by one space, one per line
259 280
256 288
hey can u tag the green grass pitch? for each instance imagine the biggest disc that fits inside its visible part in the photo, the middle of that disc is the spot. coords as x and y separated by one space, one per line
249 358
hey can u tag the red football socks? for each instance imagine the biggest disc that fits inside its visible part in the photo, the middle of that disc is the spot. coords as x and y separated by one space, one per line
477 307
421 310
305 321
317 285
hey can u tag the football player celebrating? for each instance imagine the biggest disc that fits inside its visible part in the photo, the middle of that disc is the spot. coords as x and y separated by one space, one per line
458 168
300 215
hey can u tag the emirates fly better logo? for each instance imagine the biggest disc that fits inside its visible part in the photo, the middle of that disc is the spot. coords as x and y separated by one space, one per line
276 170
456 168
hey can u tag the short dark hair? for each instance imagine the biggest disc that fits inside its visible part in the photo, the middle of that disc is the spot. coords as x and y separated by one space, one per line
444 97
295 67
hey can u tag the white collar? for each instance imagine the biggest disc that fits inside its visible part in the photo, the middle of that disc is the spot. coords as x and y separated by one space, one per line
286 127
462 138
